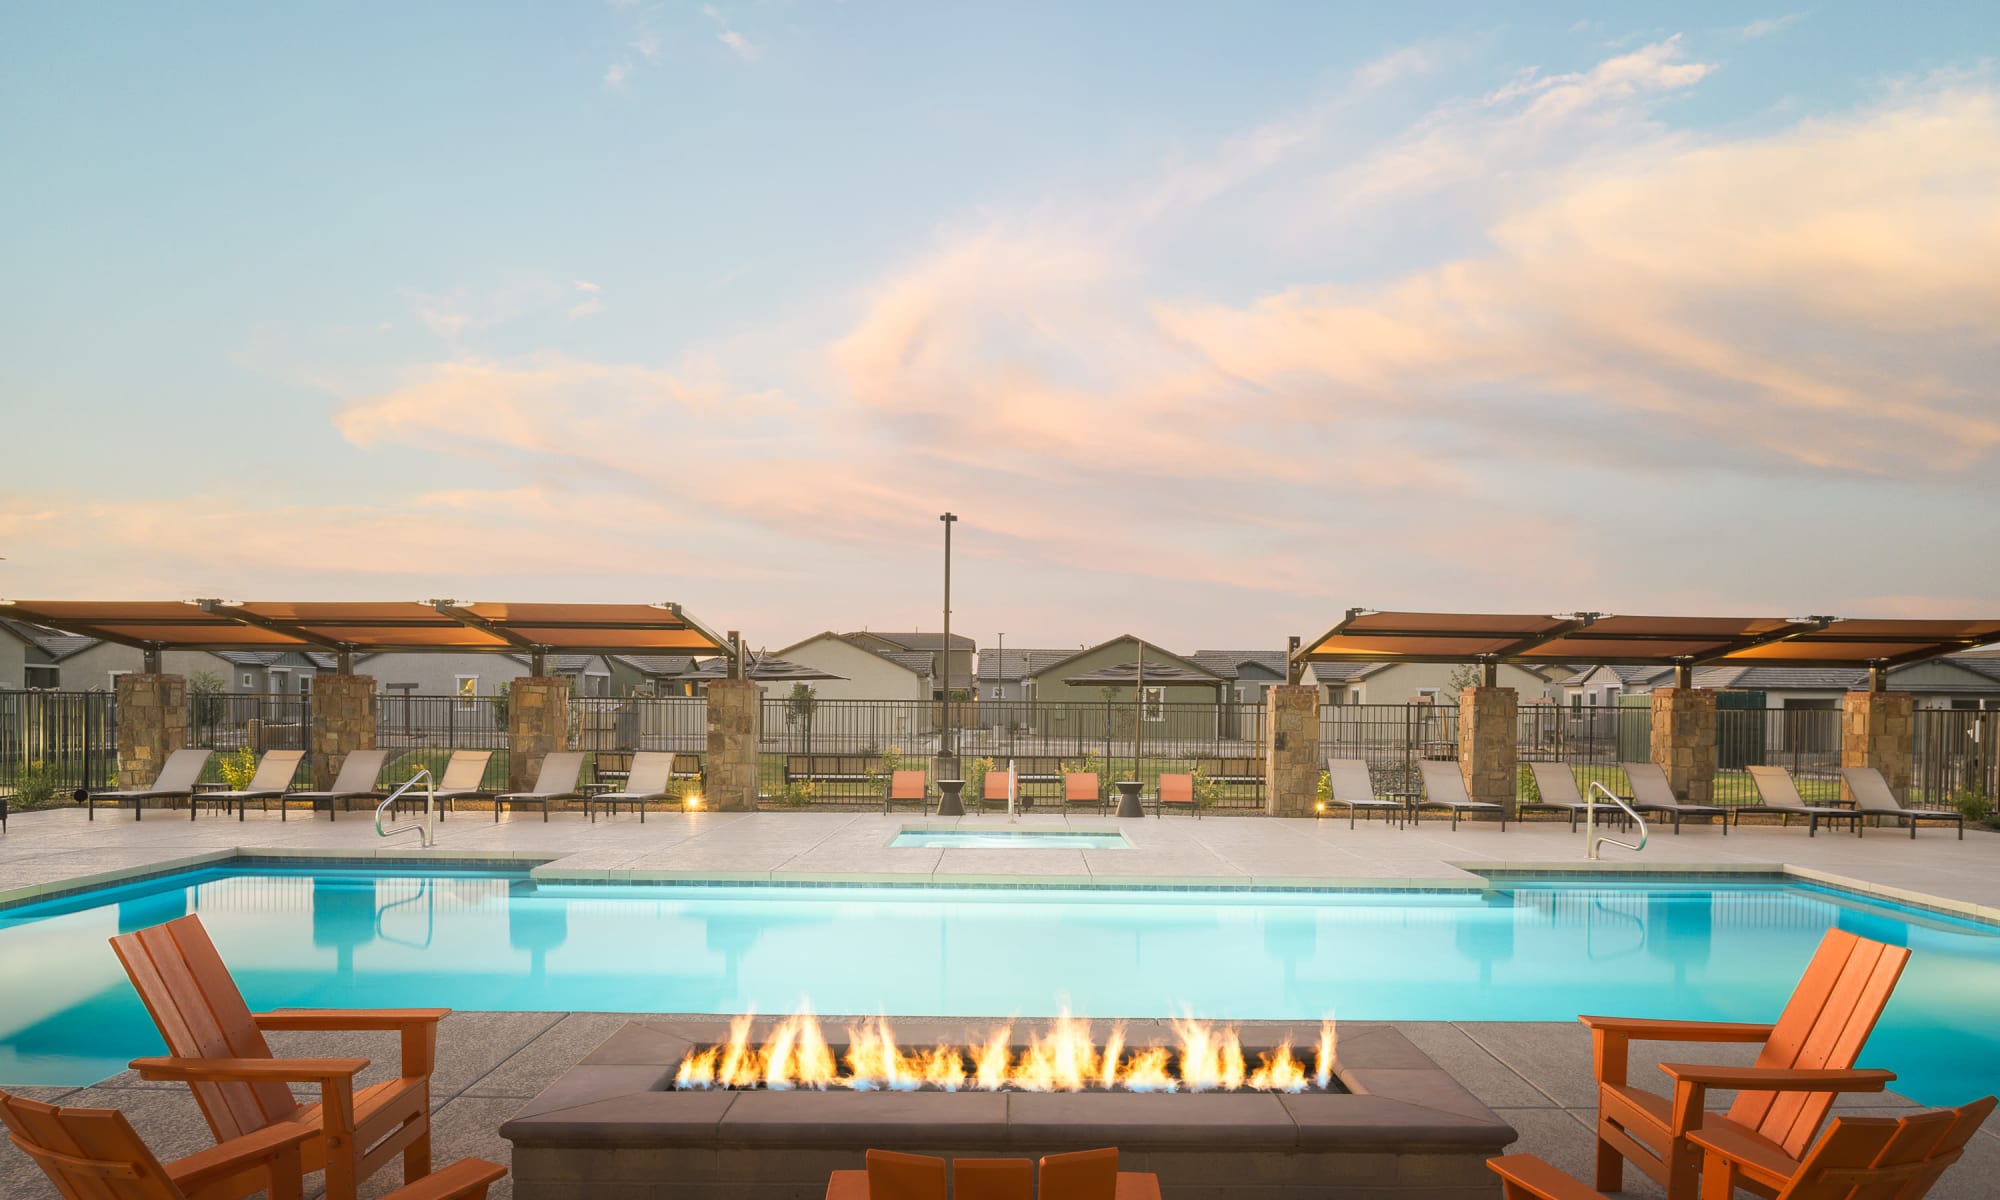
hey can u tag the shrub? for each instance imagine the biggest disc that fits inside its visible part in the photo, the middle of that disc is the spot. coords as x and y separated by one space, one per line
1324 789
237 767
975 776
1089 764
1974 806
35 787
1208 790
799 793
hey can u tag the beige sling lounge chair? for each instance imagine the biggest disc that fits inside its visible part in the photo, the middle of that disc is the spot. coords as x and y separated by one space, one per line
273 775
356 781
1777 793
1556 784
646 783
1873 798
1444 788
1652 793
174 782
462 780
555 781
1348 787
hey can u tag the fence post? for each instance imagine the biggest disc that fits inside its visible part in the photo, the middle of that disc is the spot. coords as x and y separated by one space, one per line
1488 726
344 719
152 723
1878 729
537 722
1683 741
1291 750
735 724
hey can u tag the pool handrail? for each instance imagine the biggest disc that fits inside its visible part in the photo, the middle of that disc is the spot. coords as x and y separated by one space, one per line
429 828
1591 838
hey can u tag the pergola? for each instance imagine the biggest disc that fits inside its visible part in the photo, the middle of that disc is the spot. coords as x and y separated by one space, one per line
1683 643
344 628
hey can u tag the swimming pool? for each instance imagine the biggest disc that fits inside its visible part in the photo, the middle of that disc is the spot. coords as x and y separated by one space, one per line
1526 950
1007 839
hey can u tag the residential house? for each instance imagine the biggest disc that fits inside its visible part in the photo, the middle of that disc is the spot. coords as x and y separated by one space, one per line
652 674
1960 681
1249 671
1004 674
868 667
472 673
1404 683
1185 702
959 673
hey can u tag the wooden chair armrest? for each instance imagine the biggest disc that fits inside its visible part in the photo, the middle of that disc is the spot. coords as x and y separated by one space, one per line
1641 1029
1779 1079
1746 1155
466 1179
348 1018
229 1158
1537 1179
336 1071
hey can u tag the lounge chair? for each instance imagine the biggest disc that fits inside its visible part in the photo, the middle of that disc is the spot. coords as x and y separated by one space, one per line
1082 787
1444 787
1349 788
356 781
216 1046
994 789
1777 793
555 781
95 1153
907 787
1860 1158
645 783
1652 793
1176 791
268 782
174 782
1806 1057
1872 798
1556 785
463 779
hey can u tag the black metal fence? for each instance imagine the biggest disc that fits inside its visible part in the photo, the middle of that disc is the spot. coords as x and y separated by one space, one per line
1957 751
238 726
52 743
424 730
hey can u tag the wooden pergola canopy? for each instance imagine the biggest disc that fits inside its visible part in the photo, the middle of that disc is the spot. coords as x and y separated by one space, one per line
349 627
1594 638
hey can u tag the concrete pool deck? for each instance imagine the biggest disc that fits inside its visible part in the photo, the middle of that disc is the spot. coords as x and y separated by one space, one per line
1534 1075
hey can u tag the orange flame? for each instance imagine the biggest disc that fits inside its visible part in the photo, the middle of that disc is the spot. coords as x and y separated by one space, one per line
1065 1057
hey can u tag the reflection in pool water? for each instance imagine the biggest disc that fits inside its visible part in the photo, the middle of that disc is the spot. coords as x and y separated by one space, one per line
491 941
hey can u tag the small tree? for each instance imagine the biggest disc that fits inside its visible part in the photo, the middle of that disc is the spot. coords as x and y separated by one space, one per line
1465 675
799 708
206 687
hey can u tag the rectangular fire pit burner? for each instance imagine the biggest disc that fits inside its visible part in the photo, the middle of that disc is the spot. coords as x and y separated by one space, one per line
1377 1120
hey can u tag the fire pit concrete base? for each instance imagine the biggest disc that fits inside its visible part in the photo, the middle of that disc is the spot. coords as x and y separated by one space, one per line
614 1128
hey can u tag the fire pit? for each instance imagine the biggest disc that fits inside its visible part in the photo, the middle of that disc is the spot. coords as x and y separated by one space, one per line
764 1108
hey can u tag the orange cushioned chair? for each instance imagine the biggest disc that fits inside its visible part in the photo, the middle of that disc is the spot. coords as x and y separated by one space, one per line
1806 1058
216 1046
95 1154
1177 791
1860 1158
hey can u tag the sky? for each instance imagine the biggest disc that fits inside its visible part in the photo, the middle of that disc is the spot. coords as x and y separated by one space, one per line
1209 321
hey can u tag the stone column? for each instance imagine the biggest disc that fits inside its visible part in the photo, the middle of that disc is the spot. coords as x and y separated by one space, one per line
1879 729
343 719
152 723
1488 724
735 722
1291 750
537 722
1684 741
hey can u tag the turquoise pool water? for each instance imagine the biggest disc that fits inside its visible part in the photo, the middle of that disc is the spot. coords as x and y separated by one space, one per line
481 940
1000 839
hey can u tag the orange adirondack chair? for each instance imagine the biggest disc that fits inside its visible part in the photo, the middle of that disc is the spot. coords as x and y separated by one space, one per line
1085 1175
1807 1057
1860 1158
216 1046
95 1154
907 786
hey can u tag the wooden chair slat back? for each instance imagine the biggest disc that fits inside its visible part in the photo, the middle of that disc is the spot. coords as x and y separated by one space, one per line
893 1176
1177 789
1824 1025
88 1153
1080 786
906 785
200 1014
275 770
1084 1175
465 771
992 1179
1884 1158
652 771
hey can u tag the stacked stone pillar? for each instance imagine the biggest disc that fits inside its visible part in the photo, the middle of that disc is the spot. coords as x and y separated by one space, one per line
1879 729
1291 750
1488 724
735 722
537 723
343 720
152 723
1684 741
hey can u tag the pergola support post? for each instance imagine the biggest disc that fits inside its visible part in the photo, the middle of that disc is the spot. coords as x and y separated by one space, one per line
735 723
1488 727
152 723
1291 750
537 723
1683 741
343 720
1879 729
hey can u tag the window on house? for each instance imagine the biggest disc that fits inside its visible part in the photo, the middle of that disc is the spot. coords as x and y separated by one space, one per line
1354 697
1965 705
1593 699
468 690
1154 704
112 681
1242 693
42 675
996 693
1334 695
249 681
1576 699
281 681
306 686
1611 696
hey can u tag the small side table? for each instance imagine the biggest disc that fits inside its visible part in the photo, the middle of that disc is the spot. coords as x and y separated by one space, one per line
949 804
1128 798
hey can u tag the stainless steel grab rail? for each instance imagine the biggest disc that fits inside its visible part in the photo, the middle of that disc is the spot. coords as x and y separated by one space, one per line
428 829
1591 838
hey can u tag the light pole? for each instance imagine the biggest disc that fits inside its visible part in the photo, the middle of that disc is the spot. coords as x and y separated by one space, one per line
950 749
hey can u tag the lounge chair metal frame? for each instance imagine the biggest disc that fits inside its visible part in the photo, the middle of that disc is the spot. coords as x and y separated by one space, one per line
646 782
1659 796
359 772
464 778
556 766
1442 775
1355 772
1777 793
275 771
182 765
1873 798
